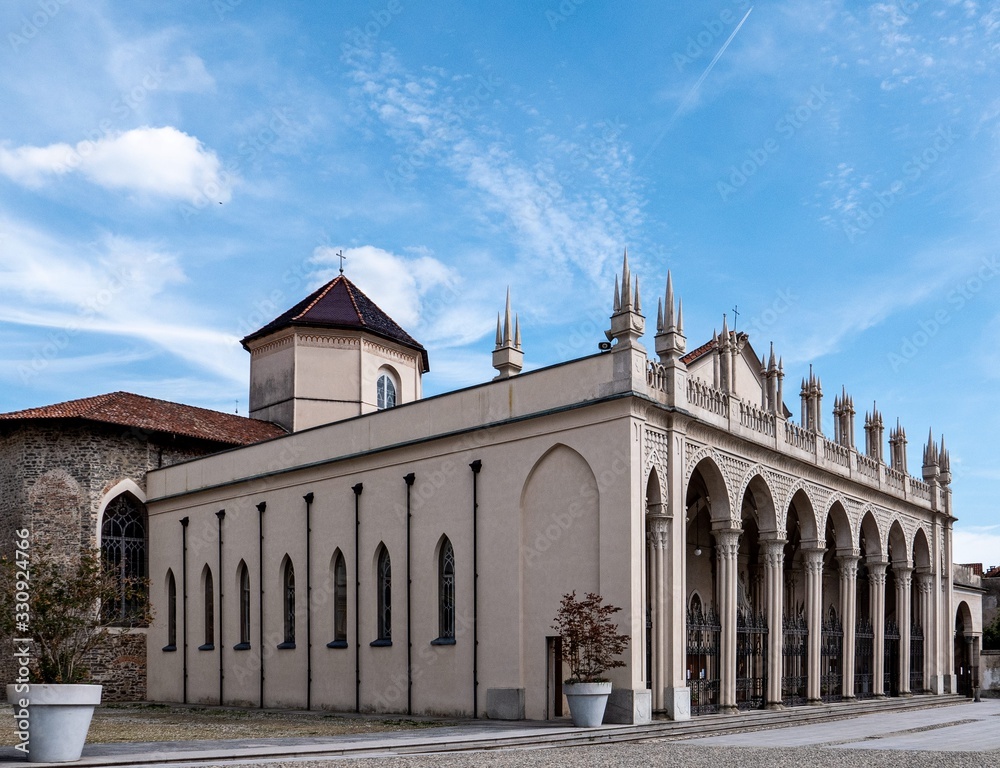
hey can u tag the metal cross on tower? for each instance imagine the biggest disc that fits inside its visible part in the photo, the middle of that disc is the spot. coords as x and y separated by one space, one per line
343 258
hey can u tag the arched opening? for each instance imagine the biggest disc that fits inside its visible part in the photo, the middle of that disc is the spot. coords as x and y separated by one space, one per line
123 553
870 549
965 671
385 390
756 512
800 526
920 610
837 541
706 501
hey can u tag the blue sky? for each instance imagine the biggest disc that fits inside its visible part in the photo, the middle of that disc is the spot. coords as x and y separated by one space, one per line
172 176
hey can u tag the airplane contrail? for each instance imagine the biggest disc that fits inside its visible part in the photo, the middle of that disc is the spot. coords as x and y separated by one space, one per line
694 90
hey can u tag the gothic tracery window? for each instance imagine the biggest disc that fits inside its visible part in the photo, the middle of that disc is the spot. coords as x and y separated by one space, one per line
339 599
123 552
244 578
288 593
446 591
386 391
384 597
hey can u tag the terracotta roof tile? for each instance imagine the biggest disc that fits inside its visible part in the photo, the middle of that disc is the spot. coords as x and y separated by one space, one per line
128 410
341 304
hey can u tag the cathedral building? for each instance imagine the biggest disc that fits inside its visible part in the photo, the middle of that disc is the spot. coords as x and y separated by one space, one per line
355 546
389 552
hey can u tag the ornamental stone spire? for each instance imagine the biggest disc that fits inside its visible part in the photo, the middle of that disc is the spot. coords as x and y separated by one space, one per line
508 357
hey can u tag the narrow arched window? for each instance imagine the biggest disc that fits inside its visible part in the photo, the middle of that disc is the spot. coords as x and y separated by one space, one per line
339 599
244 579
123 553
384 596
446 591
208 587
288 595
171 612
386 392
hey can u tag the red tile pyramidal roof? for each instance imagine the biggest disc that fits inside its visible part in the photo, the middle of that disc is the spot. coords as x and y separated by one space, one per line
146 413
341 304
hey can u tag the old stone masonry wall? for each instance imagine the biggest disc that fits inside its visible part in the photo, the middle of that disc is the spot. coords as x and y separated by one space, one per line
53 479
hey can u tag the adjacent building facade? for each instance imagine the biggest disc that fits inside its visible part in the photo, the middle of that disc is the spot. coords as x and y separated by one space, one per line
395 553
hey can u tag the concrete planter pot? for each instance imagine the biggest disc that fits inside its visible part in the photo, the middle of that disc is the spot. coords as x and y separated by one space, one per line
587 702
57 719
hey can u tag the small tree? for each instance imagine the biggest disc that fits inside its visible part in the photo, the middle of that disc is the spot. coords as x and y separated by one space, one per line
590 638
991 635
65 621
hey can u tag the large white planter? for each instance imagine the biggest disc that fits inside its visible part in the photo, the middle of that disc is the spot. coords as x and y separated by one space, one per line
57 719
587 702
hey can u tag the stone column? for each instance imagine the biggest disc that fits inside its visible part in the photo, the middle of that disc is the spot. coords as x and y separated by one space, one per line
876 586
814 618
925 584
727 547
904 575
947 622
657 540
774 575
849 616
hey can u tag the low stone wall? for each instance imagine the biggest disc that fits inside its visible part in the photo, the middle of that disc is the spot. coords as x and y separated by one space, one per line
989 673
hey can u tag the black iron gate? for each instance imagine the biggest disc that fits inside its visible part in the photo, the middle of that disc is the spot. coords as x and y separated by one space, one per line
864 660
890 670
703 639
831 679
751 660
916 659
795 661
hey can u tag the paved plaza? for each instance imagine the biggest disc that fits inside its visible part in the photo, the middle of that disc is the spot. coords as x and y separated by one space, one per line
957 735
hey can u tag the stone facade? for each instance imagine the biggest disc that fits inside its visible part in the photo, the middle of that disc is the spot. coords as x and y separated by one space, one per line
57 475
679 488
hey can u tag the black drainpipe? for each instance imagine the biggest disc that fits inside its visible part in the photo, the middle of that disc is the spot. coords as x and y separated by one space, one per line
221 514
475 467
357 601
260 605
184 599
308 498
409 479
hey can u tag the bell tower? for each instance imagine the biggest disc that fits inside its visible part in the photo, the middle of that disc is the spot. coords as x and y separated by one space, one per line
332 356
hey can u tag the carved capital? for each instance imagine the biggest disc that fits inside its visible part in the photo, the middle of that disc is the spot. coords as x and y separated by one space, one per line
774 552
848 567
727 543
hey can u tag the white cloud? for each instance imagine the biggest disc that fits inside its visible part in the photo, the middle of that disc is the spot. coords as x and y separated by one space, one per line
397 284
977 544
162 162
116 286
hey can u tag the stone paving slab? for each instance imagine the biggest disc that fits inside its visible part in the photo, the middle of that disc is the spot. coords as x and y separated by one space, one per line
964 728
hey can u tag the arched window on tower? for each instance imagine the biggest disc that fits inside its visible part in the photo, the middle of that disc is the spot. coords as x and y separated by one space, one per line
171 612
384 598
123 553
208 590
446 594
288 597
339 602
386 391
244 582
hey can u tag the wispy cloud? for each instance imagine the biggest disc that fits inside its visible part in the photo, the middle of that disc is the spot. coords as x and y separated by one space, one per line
163 162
